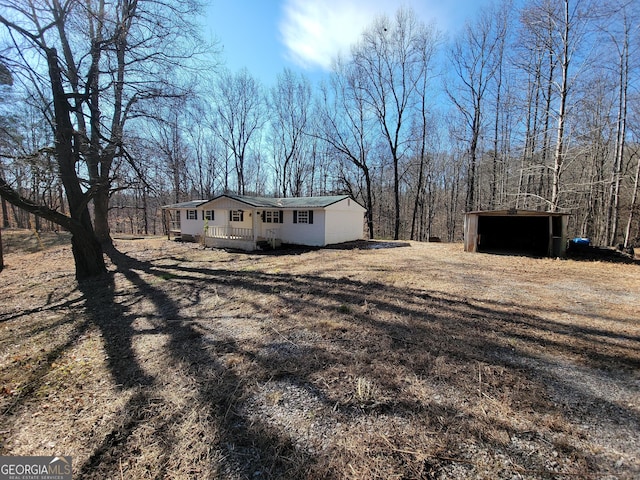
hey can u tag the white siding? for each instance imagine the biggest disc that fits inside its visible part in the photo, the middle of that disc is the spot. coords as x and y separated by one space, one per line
337 223
191 227
345 222
311 234
341 222
221 208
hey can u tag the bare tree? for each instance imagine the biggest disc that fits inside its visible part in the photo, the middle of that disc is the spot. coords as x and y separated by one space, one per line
556 36
475 57
206 152
103 61
390 61
502 16
240 113
622 34
565 54
165 135
290 106
86 249
540 63
347 125
595 133
423 130
453 175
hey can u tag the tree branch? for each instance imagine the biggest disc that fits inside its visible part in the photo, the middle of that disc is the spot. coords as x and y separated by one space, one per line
13 197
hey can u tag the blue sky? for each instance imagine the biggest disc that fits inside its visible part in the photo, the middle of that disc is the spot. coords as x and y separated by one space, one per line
265 36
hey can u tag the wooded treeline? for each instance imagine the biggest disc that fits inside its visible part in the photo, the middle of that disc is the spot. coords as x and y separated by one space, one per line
112 109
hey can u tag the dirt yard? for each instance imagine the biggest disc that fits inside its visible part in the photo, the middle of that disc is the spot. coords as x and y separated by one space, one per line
417 361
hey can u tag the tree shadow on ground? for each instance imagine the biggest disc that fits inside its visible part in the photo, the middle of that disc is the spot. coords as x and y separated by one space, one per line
379 333
250 449
291 249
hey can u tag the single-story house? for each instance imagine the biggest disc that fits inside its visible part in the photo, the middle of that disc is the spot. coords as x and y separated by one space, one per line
183 221
525 232
249 223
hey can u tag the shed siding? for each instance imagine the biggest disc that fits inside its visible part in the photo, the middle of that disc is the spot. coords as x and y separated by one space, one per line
470 233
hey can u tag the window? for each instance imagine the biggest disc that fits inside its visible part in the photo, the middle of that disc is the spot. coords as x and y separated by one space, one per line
208 215
272 216
303 216
192 214
236 215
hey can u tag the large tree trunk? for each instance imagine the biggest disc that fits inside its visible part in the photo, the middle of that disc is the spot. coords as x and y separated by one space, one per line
101 217
87 252
5 214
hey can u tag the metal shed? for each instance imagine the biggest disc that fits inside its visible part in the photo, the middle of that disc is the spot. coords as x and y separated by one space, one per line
523 232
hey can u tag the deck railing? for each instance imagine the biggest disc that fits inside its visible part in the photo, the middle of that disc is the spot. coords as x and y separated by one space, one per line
230 233
174 225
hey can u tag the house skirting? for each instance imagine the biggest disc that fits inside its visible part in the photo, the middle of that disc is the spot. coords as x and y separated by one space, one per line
247 245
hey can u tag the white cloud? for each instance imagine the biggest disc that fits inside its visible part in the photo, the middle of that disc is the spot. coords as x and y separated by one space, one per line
315 31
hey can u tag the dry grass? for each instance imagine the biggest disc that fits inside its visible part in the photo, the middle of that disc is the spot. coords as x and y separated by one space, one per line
413 362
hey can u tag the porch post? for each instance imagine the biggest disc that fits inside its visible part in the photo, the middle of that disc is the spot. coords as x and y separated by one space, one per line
254 227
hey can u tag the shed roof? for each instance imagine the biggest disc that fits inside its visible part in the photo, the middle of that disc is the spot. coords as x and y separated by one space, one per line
191 204
515 212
